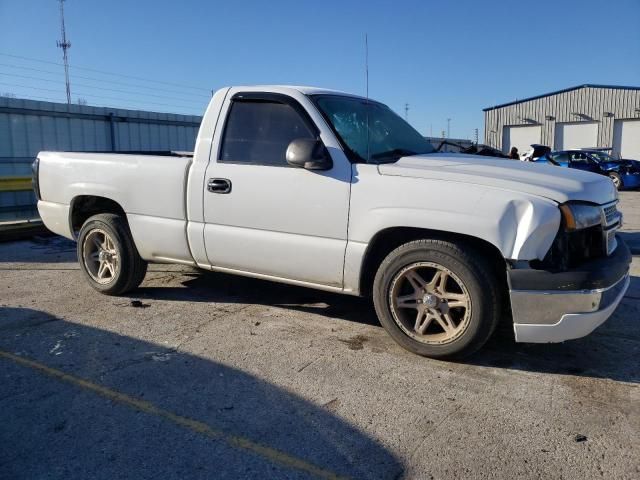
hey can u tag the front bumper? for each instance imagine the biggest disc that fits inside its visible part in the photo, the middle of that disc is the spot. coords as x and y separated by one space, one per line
554 307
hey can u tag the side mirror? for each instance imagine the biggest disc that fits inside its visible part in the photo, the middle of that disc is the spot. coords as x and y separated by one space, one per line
308 153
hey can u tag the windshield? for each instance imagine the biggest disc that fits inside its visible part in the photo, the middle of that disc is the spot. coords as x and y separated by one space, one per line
388 137
601 157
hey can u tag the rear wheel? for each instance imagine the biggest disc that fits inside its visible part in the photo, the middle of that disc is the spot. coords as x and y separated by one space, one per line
616 179
107 255
437 299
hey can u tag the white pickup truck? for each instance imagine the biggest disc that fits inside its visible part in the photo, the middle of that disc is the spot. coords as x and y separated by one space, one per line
336 192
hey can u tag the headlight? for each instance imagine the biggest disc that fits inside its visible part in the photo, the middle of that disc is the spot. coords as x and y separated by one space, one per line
577 216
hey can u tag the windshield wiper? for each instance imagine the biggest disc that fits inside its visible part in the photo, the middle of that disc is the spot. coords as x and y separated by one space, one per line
394 154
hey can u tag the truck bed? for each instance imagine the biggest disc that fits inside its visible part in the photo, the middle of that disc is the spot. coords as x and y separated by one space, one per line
150 188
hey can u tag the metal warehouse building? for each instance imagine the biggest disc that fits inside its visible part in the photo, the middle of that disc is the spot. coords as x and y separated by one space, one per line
29 126
585 116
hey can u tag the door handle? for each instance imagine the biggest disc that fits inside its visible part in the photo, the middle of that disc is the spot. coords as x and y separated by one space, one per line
219 185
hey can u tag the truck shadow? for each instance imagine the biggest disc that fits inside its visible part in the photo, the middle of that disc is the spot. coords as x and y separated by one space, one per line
632 239
609 352
45 248
195 418
214 287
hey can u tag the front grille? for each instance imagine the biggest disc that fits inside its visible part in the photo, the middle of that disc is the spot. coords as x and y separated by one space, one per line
611 223
611 213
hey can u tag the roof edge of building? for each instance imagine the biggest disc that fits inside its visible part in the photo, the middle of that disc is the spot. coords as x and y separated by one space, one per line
577 87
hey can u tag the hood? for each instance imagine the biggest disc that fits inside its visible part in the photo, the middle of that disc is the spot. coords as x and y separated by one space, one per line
633 164
549 181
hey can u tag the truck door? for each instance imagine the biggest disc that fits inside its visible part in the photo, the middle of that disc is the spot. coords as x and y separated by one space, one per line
263 216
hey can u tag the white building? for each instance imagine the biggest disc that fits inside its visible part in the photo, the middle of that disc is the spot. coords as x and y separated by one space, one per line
585 116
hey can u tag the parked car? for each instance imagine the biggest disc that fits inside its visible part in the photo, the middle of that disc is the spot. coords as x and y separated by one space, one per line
474 149
623 173
333 191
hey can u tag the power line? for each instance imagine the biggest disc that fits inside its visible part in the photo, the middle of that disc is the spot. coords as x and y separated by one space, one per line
113 82
97 96
28 77
33 97
200 102
92 104
104 105
129 92
105 72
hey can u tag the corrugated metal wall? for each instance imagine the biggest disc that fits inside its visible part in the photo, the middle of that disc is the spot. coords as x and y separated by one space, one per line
29 126
589 102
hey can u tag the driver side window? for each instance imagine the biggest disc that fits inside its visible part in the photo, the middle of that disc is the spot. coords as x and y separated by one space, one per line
258 132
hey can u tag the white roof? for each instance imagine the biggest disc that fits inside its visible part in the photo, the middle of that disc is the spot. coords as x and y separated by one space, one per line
306 90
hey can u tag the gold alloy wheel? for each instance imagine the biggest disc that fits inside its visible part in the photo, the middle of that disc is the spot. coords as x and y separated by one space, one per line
100 256
430 303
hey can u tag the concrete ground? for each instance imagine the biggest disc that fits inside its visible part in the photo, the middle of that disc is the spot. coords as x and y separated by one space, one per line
200 375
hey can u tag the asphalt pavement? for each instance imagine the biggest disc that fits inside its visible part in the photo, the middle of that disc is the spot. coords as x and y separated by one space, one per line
203 375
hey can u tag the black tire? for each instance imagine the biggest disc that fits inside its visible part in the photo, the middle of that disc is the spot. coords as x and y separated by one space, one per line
616 179
471 267
131 268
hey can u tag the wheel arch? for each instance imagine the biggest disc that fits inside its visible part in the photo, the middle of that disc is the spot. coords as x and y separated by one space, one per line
387 240
83 207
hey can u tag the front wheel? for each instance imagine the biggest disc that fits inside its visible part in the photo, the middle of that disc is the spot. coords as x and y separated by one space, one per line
616 179
107 255
437 298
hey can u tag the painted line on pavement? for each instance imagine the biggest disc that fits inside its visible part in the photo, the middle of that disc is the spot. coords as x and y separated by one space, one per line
235 441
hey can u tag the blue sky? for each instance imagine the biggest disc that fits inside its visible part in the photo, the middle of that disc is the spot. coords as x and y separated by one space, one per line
447 59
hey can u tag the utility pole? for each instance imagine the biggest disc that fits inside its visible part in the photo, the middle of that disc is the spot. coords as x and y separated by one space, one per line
406 112
65 45
448 128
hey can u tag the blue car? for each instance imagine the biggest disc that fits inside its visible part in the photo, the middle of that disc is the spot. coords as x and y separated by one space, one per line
623 173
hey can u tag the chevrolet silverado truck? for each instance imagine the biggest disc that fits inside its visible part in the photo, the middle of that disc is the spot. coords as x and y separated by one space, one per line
333 191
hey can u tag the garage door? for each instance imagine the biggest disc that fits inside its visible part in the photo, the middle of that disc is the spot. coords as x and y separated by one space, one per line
626 138
576 135
520 136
